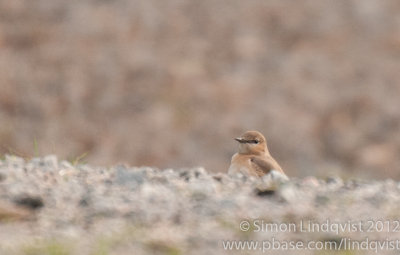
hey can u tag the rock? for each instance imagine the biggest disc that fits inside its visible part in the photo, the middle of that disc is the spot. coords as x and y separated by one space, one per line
129 177
310 181
200 171
66 165
203 187
14 161
270 183
37 162
321 200
334 180
51 162
289 193
220 177
30 202
261 191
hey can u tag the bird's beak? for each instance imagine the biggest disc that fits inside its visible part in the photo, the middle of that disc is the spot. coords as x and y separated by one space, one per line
240 140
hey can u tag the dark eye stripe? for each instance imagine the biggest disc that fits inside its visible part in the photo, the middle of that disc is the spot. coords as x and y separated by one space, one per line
253 141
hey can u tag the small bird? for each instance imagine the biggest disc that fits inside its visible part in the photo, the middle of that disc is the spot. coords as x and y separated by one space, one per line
253 157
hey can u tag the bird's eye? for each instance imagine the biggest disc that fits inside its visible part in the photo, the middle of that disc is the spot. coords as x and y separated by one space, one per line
256 141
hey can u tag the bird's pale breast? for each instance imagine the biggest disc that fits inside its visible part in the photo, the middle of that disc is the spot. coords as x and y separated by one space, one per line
240 164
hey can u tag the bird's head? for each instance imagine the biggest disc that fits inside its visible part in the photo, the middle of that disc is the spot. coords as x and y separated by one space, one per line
252 142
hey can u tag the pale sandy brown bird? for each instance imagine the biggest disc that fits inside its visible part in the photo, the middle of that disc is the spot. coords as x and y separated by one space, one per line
253 157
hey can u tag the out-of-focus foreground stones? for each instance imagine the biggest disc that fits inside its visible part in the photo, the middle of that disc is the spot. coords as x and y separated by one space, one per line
47 205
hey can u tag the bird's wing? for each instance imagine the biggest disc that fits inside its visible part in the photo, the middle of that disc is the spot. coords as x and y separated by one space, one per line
264 165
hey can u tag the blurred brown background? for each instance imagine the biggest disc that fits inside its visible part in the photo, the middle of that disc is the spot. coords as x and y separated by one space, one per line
170 83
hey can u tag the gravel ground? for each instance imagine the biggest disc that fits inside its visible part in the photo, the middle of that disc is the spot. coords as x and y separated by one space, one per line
49 206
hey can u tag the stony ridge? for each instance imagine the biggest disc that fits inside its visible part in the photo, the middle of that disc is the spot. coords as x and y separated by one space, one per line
49 206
